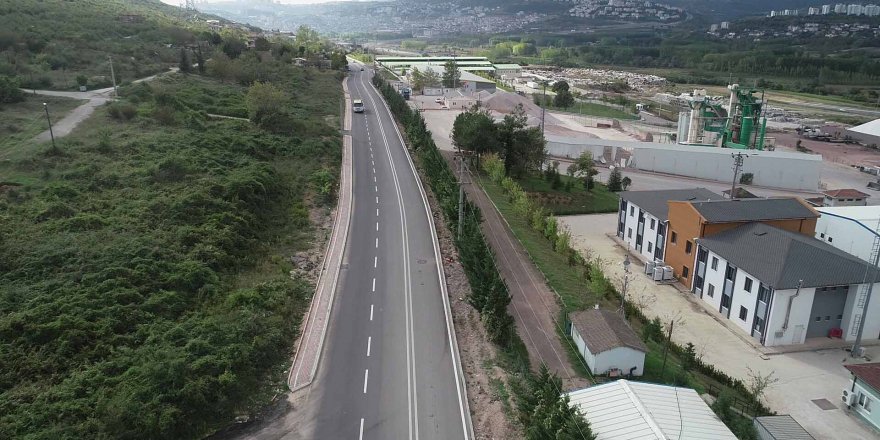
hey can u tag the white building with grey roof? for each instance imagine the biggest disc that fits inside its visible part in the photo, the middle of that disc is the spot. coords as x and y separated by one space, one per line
643 217
781 287
607 343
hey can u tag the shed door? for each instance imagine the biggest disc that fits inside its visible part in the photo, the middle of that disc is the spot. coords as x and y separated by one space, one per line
827 311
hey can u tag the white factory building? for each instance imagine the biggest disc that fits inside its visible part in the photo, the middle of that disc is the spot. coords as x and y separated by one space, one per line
851 229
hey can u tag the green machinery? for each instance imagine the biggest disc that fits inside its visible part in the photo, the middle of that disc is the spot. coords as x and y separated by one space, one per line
739 126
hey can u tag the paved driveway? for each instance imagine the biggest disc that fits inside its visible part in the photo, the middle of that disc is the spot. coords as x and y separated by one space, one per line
803 376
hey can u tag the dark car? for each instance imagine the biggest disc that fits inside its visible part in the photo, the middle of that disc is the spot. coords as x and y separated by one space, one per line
362 69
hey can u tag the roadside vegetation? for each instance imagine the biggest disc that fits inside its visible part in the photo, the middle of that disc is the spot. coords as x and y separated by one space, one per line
146 289
24 120
580 283
542 410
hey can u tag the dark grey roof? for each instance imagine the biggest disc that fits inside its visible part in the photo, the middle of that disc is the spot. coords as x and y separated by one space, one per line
655 201
751 210
603 330
783 428
780 258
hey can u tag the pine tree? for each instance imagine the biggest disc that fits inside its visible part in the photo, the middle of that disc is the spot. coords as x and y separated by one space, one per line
615 180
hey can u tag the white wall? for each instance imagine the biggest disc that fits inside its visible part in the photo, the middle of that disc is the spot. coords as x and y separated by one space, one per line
716 278
872 323
622 358
799 318
770 168
649 235
846 235
742 298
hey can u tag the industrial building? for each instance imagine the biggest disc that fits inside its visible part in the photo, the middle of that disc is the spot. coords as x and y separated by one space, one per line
636 410
868 133
783 287
482 65
852 229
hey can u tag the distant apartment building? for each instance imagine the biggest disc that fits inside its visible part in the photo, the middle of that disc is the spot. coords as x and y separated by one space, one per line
854 9
826 9
840 8
871 10
725 25
814 11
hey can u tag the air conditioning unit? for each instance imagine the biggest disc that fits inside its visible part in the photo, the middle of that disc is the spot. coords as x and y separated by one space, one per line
658 273
668 273
848 397
649 267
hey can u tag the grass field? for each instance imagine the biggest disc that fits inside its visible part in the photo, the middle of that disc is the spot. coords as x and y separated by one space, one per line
598 110
575 201
22 121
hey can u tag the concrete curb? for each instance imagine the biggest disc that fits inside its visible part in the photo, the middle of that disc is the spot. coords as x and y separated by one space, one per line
453 340
322 302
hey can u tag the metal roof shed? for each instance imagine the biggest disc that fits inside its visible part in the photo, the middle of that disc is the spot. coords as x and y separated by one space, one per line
780 428
642 411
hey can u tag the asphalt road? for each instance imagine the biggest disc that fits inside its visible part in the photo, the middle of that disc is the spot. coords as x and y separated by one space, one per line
388 369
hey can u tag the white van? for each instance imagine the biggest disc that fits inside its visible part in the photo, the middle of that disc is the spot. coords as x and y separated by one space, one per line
358 106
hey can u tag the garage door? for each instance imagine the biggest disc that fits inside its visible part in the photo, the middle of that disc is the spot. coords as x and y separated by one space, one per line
827 312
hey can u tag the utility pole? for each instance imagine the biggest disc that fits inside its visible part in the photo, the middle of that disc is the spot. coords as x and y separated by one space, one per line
738 159
113 76
49 120
461 183
543 105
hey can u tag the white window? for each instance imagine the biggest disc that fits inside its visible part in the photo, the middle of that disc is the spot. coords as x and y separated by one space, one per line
632 211
714 263
650 248
711 291
629 233
865 401
652 224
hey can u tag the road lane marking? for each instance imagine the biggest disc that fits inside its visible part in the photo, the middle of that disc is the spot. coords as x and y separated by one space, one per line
374 170
377 242
374 179
377 226
366 378
375 262
371 312
372 163
412 383
374 284
377 212
369 343
376 187
377 200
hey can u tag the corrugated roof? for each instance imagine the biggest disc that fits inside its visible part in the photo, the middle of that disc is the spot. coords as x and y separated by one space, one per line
654 202
750 210
868 373
642 411
603 330
870 128
784 428
780 258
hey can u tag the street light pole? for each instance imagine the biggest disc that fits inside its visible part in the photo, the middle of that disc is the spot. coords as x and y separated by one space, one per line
738 159
626 264
113 76
543 105
49 120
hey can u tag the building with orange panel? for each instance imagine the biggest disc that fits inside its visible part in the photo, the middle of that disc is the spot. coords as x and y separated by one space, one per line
692 220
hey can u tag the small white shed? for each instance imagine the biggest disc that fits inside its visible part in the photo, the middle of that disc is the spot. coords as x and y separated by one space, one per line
608 343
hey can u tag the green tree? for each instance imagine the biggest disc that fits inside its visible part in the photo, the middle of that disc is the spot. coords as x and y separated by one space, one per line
184 64
451 74
584 168
475 130
560 86
264 101
563 99
221 67
546 413
626 183
521 146
615 180
200 59
262 44
9 90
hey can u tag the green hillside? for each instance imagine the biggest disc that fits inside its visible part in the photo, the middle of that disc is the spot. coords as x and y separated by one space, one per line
47 43
146 283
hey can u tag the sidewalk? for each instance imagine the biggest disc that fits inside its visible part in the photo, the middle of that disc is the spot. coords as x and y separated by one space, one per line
803 376
311 343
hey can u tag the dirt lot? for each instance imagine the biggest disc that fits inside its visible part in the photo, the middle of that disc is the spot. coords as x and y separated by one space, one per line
847 154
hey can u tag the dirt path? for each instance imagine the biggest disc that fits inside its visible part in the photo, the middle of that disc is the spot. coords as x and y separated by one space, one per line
94 99
533 304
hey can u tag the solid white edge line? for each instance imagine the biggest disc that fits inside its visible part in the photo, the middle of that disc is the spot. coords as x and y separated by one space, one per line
464 405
